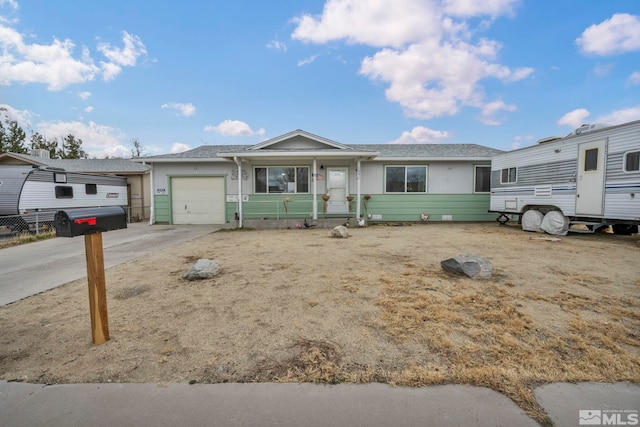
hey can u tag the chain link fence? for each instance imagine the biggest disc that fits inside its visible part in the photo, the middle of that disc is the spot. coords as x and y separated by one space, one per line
35 223
42 221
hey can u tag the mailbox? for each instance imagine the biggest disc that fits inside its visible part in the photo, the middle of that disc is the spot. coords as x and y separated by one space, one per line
81 221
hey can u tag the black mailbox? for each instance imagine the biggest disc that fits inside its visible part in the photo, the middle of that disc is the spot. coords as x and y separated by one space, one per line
80 221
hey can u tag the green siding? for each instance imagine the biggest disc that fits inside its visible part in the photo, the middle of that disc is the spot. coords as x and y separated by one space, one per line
162 208
392 207
407 207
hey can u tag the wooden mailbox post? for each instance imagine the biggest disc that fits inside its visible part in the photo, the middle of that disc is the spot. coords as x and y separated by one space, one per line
91 222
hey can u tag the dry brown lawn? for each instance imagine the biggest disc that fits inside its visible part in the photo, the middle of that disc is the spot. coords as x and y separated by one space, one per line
296 305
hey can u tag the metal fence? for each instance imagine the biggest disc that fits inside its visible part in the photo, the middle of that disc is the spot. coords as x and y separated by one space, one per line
42 221
37 222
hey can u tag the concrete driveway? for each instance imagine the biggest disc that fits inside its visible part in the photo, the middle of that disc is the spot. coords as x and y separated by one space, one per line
32 268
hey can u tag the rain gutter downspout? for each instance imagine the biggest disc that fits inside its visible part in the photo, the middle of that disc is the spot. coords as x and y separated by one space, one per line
239 163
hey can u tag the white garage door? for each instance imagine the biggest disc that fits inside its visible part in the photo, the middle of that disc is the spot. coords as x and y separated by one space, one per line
198 200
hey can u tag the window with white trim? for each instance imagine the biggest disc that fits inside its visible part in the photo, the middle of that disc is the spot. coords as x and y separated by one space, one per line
632 161
508 175
281 179
405 179
482 179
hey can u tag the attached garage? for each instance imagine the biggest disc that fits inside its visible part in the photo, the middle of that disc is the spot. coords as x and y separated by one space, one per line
198 200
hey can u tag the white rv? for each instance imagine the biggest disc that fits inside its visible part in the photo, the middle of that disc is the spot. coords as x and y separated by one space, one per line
587 180
31 195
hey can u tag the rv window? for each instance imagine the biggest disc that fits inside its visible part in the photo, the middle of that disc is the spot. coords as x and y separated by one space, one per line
590 160
60 177
482 179
509 175
632 161
63 192
91 189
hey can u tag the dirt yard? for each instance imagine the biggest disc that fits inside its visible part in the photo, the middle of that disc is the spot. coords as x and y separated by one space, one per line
296 305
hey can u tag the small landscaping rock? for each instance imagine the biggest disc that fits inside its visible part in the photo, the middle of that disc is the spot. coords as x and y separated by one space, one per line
470 265
340 231
202 269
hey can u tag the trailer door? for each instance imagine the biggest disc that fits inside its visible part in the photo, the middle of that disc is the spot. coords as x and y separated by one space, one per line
590 178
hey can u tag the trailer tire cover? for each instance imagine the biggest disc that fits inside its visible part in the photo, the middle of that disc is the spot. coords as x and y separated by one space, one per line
531 220
555 223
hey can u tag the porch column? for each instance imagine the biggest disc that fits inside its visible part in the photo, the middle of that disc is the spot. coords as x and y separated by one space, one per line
314 175
152 196
358 189
239 163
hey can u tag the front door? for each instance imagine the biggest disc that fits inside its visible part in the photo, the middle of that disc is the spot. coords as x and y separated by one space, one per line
590 178
338 190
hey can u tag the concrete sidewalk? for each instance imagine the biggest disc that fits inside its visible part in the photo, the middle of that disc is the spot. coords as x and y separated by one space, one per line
260 404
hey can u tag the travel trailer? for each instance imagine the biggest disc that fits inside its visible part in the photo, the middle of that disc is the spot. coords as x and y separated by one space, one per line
30 196
582 182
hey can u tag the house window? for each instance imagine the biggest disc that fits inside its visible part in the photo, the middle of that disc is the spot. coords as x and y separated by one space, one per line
482 179
91 189
406 179
64 192
632 161
286 179
508 176
591 160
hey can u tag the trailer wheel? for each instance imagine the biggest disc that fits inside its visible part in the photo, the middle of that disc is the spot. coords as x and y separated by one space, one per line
531 220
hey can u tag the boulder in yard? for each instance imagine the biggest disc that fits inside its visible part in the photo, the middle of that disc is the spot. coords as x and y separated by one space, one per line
202 269
470 265
340 231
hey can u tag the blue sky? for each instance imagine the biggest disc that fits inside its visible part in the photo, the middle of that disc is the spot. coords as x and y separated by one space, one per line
177 75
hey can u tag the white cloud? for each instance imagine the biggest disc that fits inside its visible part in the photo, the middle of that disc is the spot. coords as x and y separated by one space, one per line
98 141
179 147
490 111
186 110
307 61
23 117
574 118
12 3
89 109
277 45
129 54
621 116
634 79
518 140
425 56
84 95
421 135
618 34
234 128
470 8
603 70
56 64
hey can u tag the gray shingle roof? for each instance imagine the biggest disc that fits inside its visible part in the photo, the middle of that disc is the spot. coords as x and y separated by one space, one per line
112 166
385 151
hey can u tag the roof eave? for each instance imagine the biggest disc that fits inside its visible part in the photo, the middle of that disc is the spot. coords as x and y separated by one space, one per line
433 159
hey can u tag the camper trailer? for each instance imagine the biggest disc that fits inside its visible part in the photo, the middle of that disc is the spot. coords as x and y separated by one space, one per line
30 196
585 181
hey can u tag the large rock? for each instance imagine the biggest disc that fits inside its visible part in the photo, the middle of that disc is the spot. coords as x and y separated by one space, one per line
470 265
202 269
340 231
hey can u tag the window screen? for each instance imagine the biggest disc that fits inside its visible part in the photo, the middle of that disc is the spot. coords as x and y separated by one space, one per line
632 162
591 160
64 192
